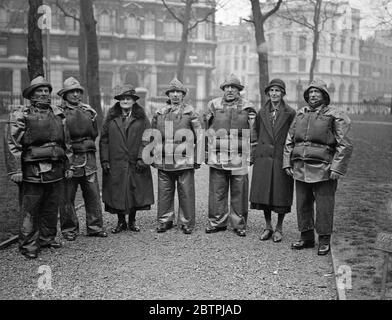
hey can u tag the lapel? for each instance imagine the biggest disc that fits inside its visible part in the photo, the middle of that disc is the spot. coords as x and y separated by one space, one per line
118 122
282 117
264 112
129 121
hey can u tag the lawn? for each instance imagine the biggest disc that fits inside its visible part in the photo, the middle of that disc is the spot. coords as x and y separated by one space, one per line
363 208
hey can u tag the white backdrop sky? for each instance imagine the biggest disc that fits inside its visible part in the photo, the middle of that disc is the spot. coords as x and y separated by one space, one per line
231 11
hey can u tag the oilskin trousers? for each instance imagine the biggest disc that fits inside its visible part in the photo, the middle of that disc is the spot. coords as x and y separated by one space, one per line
39 209
219 183
92 201
323 195
185 180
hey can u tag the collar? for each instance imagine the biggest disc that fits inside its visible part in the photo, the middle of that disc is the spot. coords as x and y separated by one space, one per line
275 108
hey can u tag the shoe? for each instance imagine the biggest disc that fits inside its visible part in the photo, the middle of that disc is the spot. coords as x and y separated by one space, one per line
186 230
215 229
30 255
267 234
133 227
323 249
277 236
240 232
121 226
163 226
302 244
100 234
53 244
69 236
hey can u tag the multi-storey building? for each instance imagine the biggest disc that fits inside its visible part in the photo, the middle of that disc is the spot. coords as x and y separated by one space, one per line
375 82
289 46
138 43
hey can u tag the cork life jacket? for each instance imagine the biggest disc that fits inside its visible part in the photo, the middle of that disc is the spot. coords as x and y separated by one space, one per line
224 140
314 139
181 123
44 136
81 129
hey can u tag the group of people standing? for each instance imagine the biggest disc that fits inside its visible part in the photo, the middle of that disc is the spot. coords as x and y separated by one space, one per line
51 150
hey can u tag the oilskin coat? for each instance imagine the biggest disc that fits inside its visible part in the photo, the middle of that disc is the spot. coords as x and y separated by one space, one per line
121 145
270 184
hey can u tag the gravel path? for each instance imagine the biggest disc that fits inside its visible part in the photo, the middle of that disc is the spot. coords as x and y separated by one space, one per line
148 265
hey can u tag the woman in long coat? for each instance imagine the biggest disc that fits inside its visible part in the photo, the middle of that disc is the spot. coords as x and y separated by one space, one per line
127 182
272 188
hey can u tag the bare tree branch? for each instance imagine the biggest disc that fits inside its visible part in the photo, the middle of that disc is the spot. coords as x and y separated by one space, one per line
273 10
210 13
171 11
66 13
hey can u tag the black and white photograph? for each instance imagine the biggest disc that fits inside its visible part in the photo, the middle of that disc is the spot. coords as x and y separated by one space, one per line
195 156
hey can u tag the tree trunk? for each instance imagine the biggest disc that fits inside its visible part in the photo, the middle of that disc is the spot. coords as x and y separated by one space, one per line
82 58
316 37
35 65
92 64
262 50
184 40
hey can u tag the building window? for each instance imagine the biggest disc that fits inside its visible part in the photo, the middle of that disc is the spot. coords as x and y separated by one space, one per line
149 24
131 52
54 48
3 47
287 41
244 49
193 33
271 42
342 44
70 23
341 93
170 56
73 52
332 66
150 52
5 80
333 43
302 65
235 63
351 91
208 31
104 22
105 81
352 68
208 56
287 65
244 64
104 51
3 17
132 25
317 66
342 67
201 31
352 47
172 29
302 43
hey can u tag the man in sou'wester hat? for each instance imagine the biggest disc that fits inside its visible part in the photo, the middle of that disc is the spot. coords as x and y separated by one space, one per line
227 160
171 168
38 155
82 125
316 155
